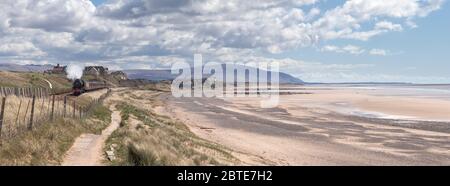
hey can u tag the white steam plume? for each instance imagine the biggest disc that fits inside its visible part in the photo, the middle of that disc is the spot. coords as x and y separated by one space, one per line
74 71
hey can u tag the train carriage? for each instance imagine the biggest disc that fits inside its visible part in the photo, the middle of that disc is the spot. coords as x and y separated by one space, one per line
80 86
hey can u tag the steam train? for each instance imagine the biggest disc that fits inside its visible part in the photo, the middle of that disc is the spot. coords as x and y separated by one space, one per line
80 86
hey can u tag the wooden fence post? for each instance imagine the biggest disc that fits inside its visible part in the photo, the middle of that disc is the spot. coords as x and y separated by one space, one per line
18 113
2 114
57 109
26 113
65 105
47 114
30 125
42 109
73 107
53 107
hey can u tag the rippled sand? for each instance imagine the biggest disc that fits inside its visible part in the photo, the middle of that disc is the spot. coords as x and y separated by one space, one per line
327 125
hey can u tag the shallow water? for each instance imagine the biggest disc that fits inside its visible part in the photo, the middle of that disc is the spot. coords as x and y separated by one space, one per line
413 92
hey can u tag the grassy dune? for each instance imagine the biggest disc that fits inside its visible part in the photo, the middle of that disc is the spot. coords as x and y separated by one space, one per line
18 111
47 144
146 139
33 79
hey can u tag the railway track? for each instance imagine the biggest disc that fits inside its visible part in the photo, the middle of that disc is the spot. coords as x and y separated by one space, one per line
71 93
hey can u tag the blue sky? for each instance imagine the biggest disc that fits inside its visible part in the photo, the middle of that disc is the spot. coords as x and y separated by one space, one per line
421 51
315 40
97 2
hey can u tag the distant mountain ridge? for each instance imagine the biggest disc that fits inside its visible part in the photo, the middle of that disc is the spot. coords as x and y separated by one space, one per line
159 75
24 68
153 75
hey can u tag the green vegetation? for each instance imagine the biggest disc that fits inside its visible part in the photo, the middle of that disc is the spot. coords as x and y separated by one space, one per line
47 144
34 79
38 80
147 139
108 78
163 86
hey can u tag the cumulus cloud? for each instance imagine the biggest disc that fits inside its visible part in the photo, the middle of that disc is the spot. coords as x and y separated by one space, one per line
49 15
154 33
352 77
350 49
14 48
386 25
346 21
378 52
354 50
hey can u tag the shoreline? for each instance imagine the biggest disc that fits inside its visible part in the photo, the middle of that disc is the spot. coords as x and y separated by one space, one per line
293 134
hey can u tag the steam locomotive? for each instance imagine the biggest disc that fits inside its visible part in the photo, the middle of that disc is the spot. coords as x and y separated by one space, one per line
80 86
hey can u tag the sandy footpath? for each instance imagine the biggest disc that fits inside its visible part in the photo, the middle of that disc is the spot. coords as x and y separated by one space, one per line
88 148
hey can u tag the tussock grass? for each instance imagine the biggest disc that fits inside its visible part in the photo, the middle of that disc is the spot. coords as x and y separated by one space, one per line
47 144
162 86
148 139
34 79
18 113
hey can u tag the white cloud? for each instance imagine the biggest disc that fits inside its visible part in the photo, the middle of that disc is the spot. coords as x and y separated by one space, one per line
378 52
339 77
331 48
345 21
313 13
355 50
49 15
151 33
411 24
14 48
350 49
386 25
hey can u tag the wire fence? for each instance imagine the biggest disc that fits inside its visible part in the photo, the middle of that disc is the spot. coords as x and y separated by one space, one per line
21 113
32 91
25 92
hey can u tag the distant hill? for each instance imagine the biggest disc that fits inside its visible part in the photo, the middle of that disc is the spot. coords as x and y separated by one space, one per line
153 75
159 75
24 68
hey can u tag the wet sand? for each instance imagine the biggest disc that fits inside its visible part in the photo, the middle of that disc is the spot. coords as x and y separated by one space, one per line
327 126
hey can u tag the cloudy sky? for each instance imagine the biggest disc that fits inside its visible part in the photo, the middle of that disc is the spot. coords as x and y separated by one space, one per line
316 40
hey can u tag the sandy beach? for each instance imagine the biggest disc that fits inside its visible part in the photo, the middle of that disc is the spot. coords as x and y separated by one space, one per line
327 125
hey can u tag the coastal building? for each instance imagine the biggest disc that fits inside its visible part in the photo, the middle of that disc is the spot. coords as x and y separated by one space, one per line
58 69
120 75
95 70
